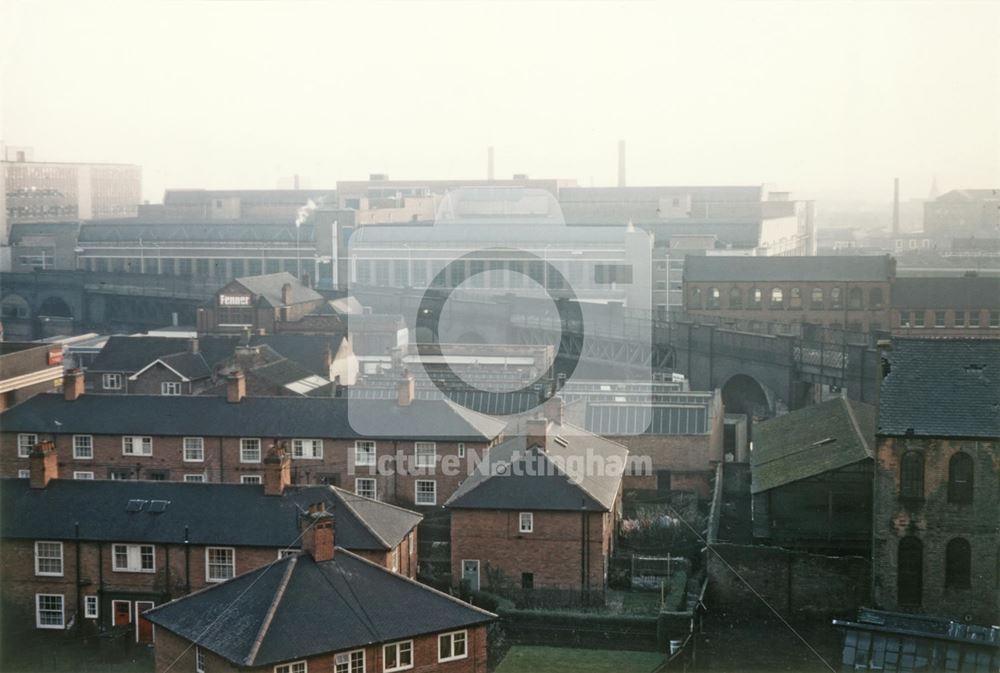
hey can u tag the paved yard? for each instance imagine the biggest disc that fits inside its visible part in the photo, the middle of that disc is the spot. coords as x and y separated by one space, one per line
529 659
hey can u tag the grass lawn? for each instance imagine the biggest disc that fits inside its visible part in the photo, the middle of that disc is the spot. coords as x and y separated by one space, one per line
530 659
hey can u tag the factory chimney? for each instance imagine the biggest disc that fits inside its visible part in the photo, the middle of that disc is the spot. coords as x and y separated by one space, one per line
621 163
895 207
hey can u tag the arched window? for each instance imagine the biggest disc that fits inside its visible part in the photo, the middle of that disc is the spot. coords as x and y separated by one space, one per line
960 469
855 299
777 298
713 297
694 298
756 297
735 297
958 564
911 476
795 298
910 568
817 298
875 297
836 298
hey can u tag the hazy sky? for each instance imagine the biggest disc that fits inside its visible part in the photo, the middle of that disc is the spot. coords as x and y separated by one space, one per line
820 98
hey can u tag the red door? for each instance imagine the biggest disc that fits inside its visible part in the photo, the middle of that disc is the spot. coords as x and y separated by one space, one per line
143 627
121 613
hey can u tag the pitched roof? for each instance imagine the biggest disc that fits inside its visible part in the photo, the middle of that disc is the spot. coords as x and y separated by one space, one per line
226 514
698 268
811 441
941 388
616 418
518 476
132 353
268 287
278 417
962 293
296 608
189 366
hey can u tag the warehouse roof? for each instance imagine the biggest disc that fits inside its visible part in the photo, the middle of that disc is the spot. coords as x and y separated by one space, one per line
862 268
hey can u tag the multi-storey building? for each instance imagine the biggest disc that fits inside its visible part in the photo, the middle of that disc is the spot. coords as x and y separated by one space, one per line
936 498
966 306
412 452
840 292
27 369
92 555
964 212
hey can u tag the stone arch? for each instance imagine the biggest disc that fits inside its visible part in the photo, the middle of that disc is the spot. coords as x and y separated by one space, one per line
15 306
743 394
56 307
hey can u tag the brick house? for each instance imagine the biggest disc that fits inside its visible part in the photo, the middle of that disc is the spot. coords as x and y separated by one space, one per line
91 555
144 365
936 498
968 306
838 291
541 513
323 609
257 303
811 478
403 459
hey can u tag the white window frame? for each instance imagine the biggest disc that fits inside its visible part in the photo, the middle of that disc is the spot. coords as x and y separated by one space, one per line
24 446
199 660
83 475
38 557
315 450
197 478
76 447
243 440
422 461
285 553
337 662
171 388
132 552
522 519
461 449
111 381
91 607
451 645
357 487
200 448
416 491
62 612
129 441
24 474
301 666
397 646
251 479
208 569
370 458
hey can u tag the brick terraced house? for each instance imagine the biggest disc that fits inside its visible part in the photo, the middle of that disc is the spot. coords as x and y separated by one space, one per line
324 609
937 497
91 555
541 513
224 439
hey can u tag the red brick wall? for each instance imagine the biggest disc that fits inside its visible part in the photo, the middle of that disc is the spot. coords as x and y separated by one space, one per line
176 654
552 552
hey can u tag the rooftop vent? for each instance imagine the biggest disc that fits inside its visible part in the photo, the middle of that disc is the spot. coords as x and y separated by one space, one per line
158 506
135 505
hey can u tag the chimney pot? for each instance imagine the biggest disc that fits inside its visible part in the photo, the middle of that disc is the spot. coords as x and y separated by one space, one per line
319 536
44 464
73 384
236 387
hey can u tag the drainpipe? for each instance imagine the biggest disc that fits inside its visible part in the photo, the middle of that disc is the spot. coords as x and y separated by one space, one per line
76 545
187 561
100 572
222 473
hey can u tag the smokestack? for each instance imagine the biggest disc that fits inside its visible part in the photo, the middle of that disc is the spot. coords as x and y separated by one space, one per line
489 164
895 206
621 163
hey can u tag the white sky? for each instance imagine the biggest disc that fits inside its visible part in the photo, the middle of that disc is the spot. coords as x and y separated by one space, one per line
828 99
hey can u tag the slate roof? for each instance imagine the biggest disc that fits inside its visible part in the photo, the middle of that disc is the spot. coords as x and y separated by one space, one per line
167 233
611 418
276 417
866 268
191 366
225 514
181 197
132 353
942 388
962 293
297 608
811 441
268 287
518 476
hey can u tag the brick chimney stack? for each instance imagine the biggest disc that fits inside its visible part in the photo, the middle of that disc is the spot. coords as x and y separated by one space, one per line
73 384
277 471
193 346
286 294
535 431
555 409
406 389
44 464
236 387
318 537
